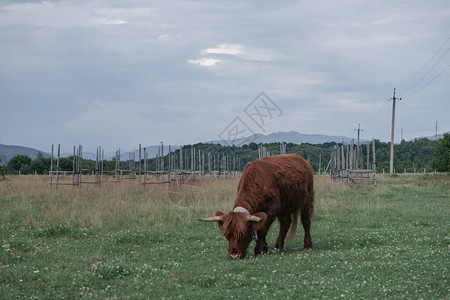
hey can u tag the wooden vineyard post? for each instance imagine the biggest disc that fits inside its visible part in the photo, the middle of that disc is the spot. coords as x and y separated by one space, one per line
117 170
351 155
181 162
200 163
347 157
374 169
103 158
145 166
132 165
140 165
209 165
73 167
77 165
96 168
338 159
80 162
51 169
162 166
57 166
203 163
169 170
368 156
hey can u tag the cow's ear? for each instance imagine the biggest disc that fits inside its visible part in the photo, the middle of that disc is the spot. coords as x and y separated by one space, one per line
262 216
217 214
258 225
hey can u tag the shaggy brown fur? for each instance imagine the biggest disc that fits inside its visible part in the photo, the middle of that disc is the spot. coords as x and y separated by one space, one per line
279 187
282 187
234 224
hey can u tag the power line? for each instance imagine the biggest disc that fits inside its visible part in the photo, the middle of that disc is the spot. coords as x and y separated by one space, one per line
375 119
428 72
429 82
417 72
377 115
379 112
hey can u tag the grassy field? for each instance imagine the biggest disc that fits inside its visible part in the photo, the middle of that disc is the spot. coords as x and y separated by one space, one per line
124 240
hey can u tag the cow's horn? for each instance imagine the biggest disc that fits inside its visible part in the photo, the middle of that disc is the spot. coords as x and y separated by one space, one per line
211 219
254 219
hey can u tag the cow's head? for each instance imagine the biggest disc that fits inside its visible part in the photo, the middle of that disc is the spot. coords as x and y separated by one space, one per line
239 228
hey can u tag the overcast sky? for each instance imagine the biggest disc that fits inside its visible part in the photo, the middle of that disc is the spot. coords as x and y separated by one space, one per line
121 73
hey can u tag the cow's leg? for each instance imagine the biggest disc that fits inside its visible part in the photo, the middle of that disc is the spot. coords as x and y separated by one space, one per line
306 221
261 244
285 223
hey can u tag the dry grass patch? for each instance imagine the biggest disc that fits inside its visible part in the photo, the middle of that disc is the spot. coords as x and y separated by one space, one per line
29 200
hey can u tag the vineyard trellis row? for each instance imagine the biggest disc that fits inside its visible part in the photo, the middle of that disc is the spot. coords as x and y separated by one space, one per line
168 168
181 164
346 165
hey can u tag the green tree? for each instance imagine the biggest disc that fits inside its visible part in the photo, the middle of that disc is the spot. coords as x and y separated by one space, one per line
441 160
65 163
25 169
41 164
3 165
253 146
19 163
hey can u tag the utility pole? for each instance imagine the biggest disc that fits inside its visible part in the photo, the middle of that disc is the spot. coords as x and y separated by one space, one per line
391 165
435 137
402 135
357 149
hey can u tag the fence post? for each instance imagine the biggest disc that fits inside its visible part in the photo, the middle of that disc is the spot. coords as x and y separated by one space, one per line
320 161
368 155
351 155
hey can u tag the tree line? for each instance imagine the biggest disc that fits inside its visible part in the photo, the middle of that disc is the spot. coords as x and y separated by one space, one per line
410 156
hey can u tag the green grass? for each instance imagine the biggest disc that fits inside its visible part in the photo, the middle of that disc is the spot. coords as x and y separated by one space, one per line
125 240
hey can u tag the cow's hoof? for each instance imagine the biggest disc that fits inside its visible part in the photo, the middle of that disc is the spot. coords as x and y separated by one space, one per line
261 254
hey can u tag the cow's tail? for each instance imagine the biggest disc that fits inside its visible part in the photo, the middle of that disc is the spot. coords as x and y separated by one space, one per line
293 227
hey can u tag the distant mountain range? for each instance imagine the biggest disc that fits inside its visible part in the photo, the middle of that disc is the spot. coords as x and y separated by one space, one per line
9 151
433 137
288 137
152 151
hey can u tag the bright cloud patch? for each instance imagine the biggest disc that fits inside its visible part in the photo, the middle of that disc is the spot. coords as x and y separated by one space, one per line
234 49
227 49
207 62
230 51
116 22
